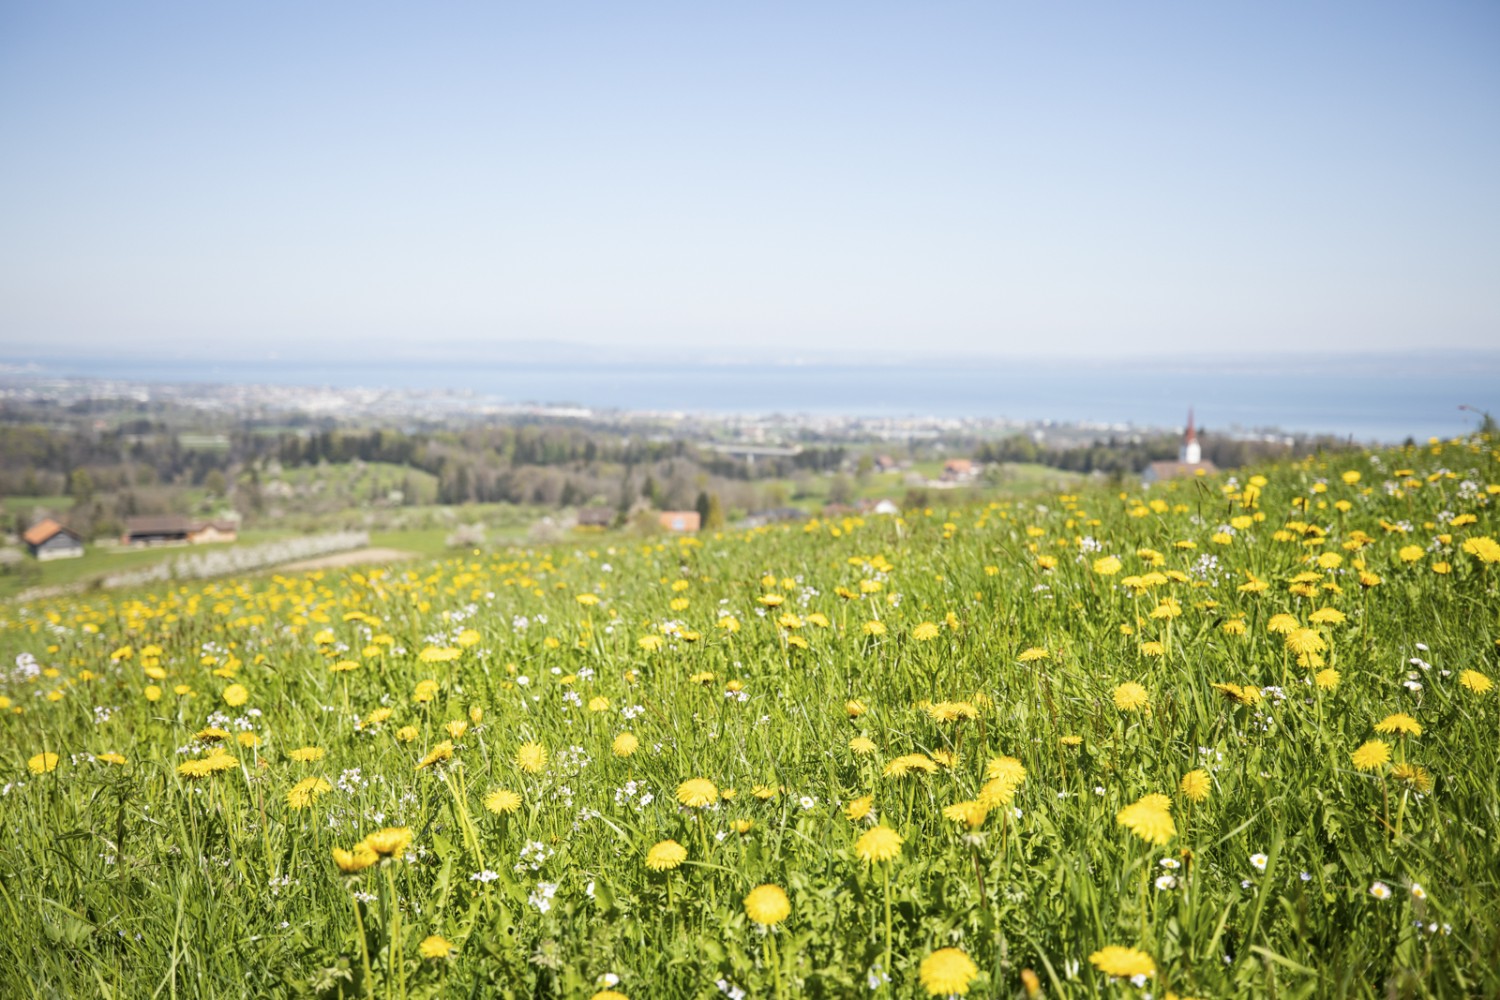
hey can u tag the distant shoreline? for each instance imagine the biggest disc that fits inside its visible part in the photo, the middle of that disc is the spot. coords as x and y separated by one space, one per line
1370 400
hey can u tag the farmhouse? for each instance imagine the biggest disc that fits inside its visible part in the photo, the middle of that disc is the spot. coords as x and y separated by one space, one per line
1189 460
680 520
49 540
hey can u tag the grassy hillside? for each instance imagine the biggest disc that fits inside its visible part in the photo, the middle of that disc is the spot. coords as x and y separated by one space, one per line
1231 737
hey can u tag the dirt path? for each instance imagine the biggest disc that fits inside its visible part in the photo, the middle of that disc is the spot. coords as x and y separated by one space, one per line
339 559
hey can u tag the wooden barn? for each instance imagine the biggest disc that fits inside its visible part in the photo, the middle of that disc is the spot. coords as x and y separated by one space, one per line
49 540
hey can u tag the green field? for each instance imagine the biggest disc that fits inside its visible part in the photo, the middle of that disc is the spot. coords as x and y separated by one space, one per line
1229 737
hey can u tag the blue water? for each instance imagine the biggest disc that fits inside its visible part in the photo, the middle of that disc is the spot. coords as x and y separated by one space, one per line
1377 399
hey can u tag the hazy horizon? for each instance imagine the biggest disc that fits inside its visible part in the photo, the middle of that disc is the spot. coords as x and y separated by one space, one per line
1379 398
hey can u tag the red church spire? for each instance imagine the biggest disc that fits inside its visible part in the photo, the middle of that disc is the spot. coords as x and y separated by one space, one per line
1191 435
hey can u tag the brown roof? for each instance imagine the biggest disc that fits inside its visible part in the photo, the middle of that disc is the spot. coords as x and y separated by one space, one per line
159 525
43 530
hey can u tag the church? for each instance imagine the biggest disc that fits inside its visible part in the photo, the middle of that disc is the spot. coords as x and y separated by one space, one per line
1189 460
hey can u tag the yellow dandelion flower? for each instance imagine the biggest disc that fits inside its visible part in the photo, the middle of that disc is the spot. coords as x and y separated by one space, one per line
879 843
1130 697
997 792
1371 755
971 813
1283 624
1305 642
502 801
356 860
862 745
948 971
305 792
1123 963
952 711
624 745
434 947
1196 785
1033 654
443 751
1476 682
42 762
665 855
531 758
389 842
767 905
925 631
1108 566
1401 723
696 793
236 695
1007 769
1246 695
1149 819
910 763
1327 679
1413 776
859 808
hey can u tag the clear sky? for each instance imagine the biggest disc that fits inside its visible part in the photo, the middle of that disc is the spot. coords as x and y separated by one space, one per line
440 179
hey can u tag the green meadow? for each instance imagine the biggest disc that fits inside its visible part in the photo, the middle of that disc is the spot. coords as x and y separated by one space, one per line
1232 736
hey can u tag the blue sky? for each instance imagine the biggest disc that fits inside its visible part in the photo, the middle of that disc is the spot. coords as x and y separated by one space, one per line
448 179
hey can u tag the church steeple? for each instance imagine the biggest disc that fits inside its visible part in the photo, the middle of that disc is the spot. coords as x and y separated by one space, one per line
1190 453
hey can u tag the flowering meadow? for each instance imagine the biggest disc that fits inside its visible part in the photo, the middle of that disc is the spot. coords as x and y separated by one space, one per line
1229 736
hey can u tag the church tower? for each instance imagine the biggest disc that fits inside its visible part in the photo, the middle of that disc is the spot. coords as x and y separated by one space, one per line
1190 453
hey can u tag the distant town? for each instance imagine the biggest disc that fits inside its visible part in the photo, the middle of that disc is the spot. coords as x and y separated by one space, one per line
102 479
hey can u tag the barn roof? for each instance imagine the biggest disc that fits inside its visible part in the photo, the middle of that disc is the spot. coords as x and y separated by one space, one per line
43 530
158 525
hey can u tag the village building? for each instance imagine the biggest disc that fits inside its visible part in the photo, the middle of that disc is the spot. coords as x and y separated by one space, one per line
595 517
156 530
681 520
49 540
204 532
172 529
958 470
1189 460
